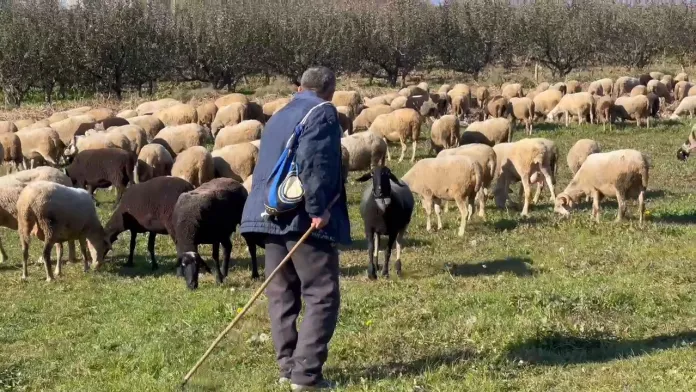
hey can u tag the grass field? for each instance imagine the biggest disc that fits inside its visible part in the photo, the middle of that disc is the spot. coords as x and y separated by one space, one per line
532 304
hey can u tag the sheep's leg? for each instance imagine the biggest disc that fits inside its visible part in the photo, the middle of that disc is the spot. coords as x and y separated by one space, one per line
59 256
537 193
446 209
399 246
403 150
596 198
470 207
3 254
428 206
621 201
526 187
387 254
463 214
25 256
85 254
387 143
131 249
151 249
641 206
548 176
413 154
372 253
226 252
647 122
47 260
438 214
216 259
567 119
481 197
72 256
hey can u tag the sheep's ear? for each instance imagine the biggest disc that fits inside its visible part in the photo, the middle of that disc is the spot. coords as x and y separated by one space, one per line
364 177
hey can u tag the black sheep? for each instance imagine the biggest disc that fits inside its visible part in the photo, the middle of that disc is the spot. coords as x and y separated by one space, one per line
209 215
147 208
102 168
386 208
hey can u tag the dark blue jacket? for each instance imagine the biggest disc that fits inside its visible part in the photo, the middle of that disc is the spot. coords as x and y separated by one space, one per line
319 160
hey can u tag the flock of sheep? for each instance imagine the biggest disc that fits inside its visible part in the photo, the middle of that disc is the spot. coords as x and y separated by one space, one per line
169 183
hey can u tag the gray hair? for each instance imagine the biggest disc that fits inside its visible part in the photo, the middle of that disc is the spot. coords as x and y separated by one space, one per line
318 79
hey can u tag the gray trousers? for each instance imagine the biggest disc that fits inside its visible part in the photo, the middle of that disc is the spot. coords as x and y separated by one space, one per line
312 275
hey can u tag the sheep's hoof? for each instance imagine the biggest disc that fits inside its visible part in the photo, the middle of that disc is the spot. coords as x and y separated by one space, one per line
371 272
24 277
49 279
372 276
460 233
179 272
255 277
397 267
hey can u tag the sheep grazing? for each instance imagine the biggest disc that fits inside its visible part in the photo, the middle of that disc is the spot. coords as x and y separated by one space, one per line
93 169
151 124
244 132
100 114
228 115
546 101
153 161
561 87
57 213
573 86
637 108
179 138
522 109
345 119
73 126
236 161
147 208
440 179
128 113
482 96
682 90
579 153
596 88
348 98
381 100
206 113
11 149
209 215
368 115
195 165
78 111
365 150
497 106
661 90
681 77
8 127
604 107
153 107
512 90
656 75
687 105
179 114
639 90
386 208
445 133
668 81
543 86
624 85
40 145
579 104
622 174
490 132
229 99
21 124
56 117
644 79
97 141
135 134
270 108
459 98
400 125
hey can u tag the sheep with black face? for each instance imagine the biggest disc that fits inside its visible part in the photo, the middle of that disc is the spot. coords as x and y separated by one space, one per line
386 208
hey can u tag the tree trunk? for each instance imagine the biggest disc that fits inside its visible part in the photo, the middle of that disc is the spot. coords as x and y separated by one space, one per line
13 96
392 77
48 92
150 87
140 89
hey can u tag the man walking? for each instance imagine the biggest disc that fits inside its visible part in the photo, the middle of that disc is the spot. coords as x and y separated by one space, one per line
312 274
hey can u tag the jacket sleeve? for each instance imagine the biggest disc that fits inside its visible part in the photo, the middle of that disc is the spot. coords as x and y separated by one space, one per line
319 159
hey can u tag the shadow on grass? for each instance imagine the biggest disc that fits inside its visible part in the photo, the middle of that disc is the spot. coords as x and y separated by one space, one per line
511 224
515 265
396 369
680 218
141 266
361 244
559 349
354 270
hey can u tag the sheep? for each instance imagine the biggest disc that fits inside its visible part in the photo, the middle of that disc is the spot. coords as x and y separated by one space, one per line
656 75
380 100
151 124
43 143
546 101
179 114
401 125
497 106
543 86
596 88
365 119
73 126
153 161
512 90
348 98
206 113
604 107
101 114
654 104
687 105
21 124
621 173
412 91
153 107
57 213
270 108
455 178
209 215
482 96
460 104
580 104
345 118
643 79
525 160
249 182
637 108
661 90
195 165
522 109
398 102
624 85
228 115
681 90
78 111
254 111
230 99
573 86
579 153
8 127
39 124
111 122
56 117
177 139
128 113
11 147
97 141
423 86
560 86
681 77
386 208
489 132
245 131
365 150
236 161
444 133
102 168
135 134
147 208
668 81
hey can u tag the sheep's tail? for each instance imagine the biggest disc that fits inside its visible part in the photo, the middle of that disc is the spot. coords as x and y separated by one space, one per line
26 219
136 178
644 171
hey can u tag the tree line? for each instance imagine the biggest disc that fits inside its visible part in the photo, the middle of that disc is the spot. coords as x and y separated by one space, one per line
120 45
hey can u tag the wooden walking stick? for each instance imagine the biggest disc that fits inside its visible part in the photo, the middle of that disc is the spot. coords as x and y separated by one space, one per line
246 307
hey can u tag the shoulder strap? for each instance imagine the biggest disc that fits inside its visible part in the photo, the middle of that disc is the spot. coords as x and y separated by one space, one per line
297 132
304 119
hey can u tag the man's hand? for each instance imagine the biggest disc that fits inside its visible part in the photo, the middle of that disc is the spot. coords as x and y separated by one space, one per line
320 222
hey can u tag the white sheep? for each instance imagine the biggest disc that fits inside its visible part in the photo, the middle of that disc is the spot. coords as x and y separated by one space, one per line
151 124
236 161
206 113
522 109
179 138
512 90
400 125
229 99
153 107
244 132
42 144
366 150
153 161
134 133
8 127
687 105
445 133
368 115
577 154
490 132
546 101
179 114
128 113
195 165
637 108
624 85
347 98
579 104
228 115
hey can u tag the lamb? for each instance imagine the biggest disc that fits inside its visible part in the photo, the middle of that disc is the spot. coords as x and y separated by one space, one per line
57 213
579 153
102 168
270 108
401 125
512 90
621 173
687 105
236 161
179 138
637 107
522 109
245 131
497 106
179 114
348 98
11 149
345 118
489 132
209 215
681 90
128 113
455 178
147 208
206 113
365 119
580 104
229 99
546 101
573 86
445 133
365 150
8 127
639 90
228 115
624 85
73 126
153 161
40 143
604 107
153 107
151 124
195 165
386 208
135 134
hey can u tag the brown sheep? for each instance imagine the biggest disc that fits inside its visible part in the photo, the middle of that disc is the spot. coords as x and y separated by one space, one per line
206 113
497 106
236 161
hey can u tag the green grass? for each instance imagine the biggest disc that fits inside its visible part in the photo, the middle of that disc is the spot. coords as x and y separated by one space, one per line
534 304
